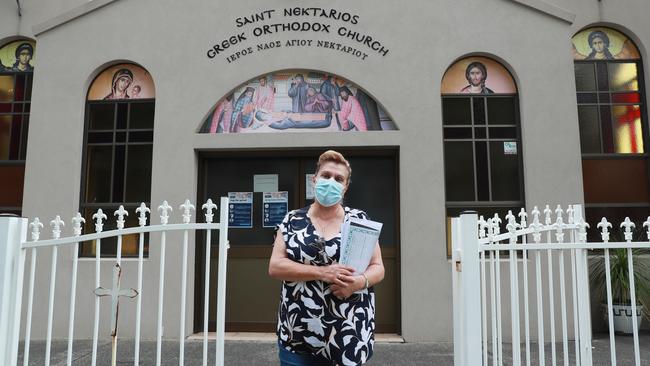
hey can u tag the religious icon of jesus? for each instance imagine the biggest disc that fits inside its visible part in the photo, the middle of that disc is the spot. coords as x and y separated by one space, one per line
476 74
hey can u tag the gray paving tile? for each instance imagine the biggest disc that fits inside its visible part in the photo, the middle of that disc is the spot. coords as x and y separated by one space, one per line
254 353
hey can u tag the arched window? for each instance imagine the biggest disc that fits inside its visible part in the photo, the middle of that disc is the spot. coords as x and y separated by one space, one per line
613 125
482 139
16 69
118 142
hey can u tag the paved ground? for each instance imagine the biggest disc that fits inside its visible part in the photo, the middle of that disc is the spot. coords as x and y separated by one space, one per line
254 353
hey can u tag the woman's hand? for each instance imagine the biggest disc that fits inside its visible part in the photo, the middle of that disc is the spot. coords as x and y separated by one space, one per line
337 274
353 284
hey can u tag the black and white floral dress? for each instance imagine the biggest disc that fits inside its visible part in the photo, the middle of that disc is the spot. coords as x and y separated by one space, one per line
311 319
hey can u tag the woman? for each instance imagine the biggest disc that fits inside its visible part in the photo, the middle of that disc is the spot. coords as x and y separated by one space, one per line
121 81
327 312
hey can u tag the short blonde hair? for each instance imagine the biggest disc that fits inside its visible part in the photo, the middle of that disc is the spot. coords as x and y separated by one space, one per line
334 157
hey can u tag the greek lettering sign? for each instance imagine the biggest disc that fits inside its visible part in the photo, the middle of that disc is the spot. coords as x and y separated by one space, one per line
334 30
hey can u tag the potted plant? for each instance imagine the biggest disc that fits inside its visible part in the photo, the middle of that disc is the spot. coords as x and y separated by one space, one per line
620 284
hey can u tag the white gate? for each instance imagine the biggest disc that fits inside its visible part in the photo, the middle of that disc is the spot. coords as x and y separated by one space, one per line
14 247
536 257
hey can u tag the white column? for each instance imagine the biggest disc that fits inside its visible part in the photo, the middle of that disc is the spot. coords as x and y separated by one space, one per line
13 232
470 289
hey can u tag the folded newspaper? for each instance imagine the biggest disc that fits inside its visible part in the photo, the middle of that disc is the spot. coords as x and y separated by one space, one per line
358 240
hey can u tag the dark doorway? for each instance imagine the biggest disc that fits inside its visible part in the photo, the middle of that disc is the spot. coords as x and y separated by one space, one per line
252 296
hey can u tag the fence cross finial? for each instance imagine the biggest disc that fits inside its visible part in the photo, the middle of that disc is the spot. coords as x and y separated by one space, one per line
647 224
547 215
187 208
99 218
76 224
496 222
523 216
511 226
36 226
482 225
604 226
559 224
142 211
569 213
582 230
164 210
488 226
56 225
120 213
535 213
558 213
209 206
628 225
536 225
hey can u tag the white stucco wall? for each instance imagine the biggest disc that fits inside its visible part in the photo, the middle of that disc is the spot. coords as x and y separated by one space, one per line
170 38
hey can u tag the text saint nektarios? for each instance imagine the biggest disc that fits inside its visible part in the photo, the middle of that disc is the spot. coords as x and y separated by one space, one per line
299 26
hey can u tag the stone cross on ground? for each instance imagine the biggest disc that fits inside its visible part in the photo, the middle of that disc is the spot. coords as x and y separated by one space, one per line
115 293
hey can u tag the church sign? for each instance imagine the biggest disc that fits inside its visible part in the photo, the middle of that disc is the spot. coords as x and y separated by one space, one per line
333 29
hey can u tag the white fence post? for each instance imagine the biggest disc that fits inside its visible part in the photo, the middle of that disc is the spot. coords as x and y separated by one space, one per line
457 300
584 301
13 232
221 280
466 262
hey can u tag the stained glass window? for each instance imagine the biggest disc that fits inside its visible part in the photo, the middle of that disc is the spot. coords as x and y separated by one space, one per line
118 151
613 124
16 69
482 140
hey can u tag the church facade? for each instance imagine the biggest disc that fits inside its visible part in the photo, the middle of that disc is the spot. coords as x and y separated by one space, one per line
441 107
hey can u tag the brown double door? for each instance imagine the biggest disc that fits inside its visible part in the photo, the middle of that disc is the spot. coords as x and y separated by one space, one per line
251 295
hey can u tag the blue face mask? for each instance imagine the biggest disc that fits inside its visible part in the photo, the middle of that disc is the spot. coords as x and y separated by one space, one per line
328 192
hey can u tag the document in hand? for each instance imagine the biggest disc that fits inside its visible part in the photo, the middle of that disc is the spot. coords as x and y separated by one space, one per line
358 240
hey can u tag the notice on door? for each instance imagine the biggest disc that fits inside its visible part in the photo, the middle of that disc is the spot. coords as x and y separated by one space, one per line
241 210
276 206
309 186
265 182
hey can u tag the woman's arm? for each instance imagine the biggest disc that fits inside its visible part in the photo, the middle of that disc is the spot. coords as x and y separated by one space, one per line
285 269
374 273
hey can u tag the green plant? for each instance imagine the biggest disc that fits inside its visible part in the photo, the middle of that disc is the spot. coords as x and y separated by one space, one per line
619 274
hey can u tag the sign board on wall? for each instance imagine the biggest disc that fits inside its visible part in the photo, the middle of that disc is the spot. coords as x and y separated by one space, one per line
240 210
275 207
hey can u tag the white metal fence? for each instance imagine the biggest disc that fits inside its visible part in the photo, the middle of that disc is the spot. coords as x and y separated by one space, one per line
14 247
525 265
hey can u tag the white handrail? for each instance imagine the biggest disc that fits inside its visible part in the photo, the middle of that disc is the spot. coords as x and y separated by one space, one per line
577 245
112 233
